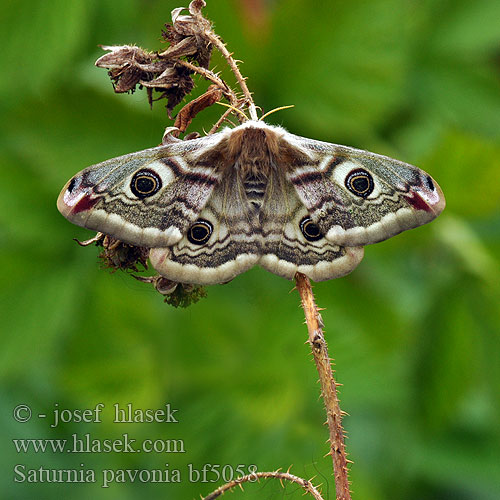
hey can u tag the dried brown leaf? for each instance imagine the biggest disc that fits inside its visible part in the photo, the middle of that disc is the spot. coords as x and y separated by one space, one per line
192 108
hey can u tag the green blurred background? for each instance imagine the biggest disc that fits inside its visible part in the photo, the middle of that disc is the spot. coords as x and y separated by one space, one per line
414 330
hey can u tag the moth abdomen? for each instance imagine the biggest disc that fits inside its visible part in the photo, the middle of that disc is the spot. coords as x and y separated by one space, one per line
255 189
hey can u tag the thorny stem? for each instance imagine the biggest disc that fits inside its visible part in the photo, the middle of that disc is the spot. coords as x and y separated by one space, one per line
282 476
210 75
316 338
221 47
328 386
220 121
219 44
313 318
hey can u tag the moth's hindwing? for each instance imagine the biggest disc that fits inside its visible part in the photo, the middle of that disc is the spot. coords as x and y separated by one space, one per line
224 241
292 242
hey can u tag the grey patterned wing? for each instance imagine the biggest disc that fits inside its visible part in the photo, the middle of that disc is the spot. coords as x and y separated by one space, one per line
222 243
292 242
357 197
148 198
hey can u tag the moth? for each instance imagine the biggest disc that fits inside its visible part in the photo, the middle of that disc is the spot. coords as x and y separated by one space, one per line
213 207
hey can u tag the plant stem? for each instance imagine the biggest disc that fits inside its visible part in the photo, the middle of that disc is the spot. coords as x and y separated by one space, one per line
219 44
282 476
328 386
210 75
220 121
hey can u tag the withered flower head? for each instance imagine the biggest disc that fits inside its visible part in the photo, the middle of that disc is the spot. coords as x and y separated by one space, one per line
127 65
188 34
175 294
189 38
118 255
174 83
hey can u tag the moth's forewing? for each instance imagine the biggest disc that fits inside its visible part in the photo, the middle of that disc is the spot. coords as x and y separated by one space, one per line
148 198
358 198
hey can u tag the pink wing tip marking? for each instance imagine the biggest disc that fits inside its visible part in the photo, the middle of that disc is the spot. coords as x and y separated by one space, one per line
86 203
417 202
